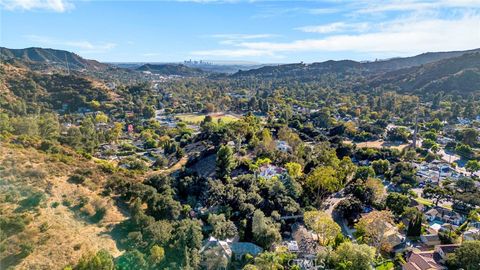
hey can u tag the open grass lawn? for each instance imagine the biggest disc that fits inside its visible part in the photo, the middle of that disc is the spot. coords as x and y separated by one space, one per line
385 266
430 203
191 118
424 201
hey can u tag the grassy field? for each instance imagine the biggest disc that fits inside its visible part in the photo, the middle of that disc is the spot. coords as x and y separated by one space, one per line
191 118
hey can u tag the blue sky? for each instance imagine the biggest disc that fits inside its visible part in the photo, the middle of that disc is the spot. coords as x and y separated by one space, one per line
253 30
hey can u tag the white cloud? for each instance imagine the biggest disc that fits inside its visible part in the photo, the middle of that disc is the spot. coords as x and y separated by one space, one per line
50 5
242 36
319 11
396 38
212 1
232 39
334 27
276 11
415 5
83 45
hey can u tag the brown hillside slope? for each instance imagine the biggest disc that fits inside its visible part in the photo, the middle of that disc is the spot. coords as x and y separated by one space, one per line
70 219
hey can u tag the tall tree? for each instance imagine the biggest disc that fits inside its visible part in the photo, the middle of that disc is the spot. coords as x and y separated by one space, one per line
132 259
472 166
354 256
397 202
323 225
373 226
265 231
222 228
49 127
225 162
188 240
415 225
323 180
102 260
467 256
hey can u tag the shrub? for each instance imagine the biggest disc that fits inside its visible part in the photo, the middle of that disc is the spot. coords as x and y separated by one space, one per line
76 179
13 225
67 203
35 174
32 201
107 167
44 227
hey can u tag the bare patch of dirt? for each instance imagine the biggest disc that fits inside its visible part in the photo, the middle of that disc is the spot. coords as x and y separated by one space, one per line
378 144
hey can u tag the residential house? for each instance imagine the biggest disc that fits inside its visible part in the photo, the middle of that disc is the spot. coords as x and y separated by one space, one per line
220 248
471 234
444 250
444 215
430 239
230 248
427 260
393 237
307 241
269 171
292 246
111 85
240 249
283 146
475 224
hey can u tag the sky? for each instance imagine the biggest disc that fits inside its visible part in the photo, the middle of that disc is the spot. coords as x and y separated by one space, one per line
262 31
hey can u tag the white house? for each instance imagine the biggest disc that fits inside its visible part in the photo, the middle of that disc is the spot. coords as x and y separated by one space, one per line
270 171
283 146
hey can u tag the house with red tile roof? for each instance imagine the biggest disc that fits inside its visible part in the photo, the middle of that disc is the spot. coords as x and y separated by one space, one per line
426 260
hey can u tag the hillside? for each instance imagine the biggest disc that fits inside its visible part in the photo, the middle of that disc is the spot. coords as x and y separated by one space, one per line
445 71
49 61
50 57
348 67
302 70
48 221
171 69
418 60
48 91
459 74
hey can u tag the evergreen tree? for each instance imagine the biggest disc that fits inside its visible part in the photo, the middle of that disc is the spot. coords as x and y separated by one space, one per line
415 225
224 162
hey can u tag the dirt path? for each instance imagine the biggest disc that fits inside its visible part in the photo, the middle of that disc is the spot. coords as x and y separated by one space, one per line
177 166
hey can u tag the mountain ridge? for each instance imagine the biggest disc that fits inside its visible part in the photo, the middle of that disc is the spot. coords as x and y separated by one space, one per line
57 58
171 69
350 65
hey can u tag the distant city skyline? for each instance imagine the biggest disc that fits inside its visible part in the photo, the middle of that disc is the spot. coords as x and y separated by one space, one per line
255 31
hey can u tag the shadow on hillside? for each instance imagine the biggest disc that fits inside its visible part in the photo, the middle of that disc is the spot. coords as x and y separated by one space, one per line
12 260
